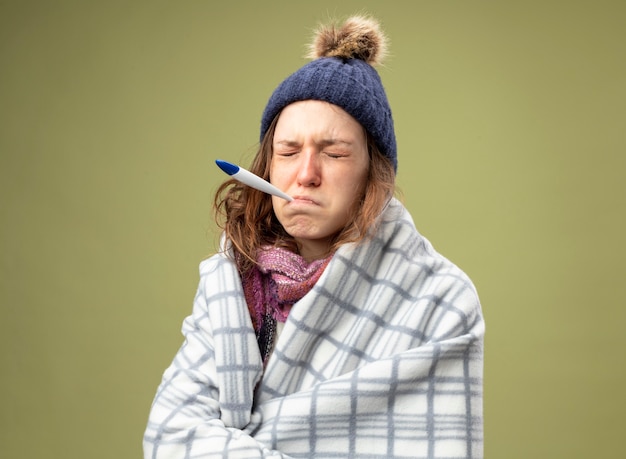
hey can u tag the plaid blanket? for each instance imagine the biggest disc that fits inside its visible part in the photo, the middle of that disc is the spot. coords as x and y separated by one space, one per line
383 358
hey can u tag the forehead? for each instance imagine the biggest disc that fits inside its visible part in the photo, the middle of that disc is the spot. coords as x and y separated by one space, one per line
313 118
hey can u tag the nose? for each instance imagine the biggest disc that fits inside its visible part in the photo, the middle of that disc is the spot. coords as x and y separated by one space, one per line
309 173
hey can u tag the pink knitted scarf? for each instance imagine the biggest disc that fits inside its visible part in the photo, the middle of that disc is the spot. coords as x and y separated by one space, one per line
280 279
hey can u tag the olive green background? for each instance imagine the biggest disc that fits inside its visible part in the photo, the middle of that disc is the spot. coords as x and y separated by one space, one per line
511 121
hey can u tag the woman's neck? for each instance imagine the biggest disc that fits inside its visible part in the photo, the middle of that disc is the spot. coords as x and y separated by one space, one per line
312 250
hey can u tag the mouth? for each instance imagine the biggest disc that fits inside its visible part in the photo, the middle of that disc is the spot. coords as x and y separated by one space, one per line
304 200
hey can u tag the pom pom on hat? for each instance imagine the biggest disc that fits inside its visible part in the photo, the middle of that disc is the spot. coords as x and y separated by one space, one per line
342 74
360 37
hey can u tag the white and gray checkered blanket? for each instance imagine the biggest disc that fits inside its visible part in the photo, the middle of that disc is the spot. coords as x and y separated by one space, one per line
383 358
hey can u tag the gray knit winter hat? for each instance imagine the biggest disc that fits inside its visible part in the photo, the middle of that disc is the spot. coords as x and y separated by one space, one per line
342 73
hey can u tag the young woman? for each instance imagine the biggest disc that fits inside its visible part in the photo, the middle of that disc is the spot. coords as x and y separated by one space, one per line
327 326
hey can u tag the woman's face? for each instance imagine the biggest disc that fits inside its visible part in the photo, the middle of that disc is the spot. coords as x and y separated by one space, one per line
320 158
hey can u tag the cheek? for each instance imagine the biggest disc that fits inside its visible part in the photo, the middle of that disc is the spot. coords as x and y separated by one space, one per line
359 181
278 174
352 190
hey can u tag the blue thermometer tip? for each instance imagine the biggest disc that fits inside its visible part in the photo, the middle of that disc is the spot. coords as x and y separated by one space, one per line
227 167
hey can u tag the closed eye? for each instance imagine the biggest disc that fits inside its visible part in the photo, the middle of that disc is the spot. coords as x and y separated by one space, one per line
335 155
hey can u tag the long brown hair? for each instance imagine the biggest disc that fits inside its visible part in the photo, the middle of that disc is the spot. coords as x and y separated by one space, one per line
247 217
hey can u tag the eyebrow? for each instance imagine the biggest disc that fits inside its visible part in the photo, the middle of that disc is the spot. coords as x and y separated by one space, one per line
322 143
